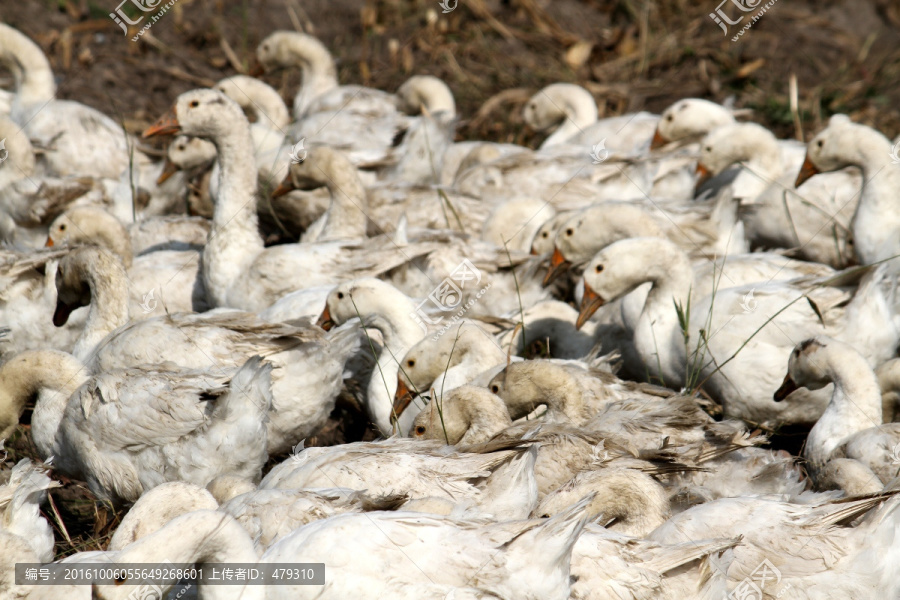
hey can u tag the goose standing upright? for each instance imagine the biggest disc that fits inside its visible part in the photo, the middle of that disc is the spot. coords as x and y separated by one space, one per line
876 222
238 271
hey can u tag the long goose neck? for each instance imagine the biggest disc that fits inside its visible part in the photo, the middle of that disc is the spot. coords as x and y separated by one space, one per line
202 536
580 112
319 73
109 300
757 147
51 375
346 215
34 77
855 403
233 242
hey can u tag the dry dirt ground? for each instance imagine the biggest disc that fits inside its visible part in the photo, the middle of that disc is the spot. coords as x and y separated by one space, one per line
632 54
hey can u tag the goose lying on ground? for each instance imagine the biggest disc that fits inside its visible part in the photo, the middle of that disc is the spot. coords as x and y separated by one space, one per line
126 431
851 425
301 357
760 335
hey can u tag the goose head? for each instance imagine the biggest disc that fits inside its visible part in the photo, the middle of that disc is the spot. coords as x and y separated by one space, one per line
425 93
688 119
91 225
839 146
542 243
377 303
734 143
428 358
204 113
318 169
621 267
514 223
524 386
186 153
17 153
558 102
466 414
589 231
260 101
808 367
286 49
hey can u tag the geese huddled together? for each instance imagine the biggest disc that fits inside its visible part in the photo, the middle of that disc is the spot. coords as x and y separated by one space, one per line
575 364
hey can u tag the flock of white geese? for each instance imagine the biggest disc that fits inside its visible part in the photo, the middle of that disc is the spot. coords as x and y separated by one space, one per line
573 355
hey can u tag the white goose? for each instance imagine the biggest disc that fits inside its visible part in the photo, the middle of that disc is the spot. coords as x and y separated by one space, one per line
319 89
877 220
815 219
815 556
486 557
571 112
732 316
28 200
379 306
77 140
22 527
437 478
28 302
237 270
457 357
128 430
158 282
301 357
851 425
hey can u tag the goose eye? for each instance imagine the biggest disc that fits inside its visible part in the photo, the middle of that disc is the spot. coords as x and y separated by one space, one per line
120 580
420 430
62 227
340 295
569 231
669 117
543 235
194 104
599 268
495 389
820 143
411 363
708 149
